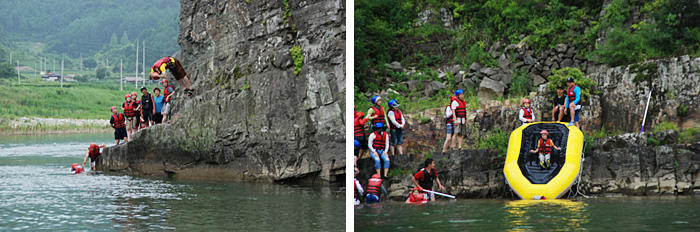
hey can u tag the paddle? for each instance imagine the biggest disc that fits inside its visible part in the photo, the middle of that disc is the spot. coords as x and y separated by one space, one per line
438 193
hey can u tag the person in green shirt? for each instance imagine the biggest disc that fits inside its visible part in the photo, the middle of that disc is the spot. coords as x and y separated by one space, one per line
376 113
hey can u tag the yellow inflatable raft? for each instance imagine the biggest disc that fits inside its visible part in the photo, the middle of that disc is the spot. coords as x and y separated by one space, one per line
530 181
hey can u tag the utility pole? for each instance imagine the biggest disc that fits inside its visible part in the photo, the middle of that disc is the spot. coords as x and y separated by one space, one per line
143 63
10 58
121 75
64 57
136 77
18 79
54 65
45 68
35 66
81 61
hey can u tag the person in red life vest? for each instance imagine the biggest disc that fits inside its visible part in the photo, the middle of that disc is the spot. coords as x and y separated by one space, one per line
374 185
544 147
379 146
573 101
558 102
449 129
358 188
137 110
148 107
167 95
376 113
459 119
132 122
416 196
172 64
76 169
94 153
359 133
526 115
118 122
424 178
396 124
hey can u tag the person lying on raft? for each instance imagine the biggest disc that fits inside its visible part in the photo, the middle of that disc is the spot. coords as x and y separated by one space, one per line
544 147
416 196
76 169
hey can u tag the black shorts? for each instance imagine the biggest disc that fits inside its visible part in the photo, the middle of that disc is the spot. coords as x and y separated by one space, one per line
120 133
178 71
147 115
363 142
158 118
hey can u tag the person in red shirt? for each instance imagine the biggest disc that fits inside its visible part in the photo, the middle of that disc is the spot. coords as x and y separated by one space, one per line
423 179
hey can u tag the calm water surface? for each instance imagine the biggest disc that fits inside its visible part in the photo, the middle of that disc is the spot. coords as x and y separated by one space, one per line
37 192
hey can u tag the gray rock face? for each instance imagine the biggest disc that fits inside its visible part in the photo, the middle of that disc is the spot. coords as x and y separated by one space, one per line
251 118
537 80
431 87
459 77
488 71
394 66
490 89
567 63
561 48
475 67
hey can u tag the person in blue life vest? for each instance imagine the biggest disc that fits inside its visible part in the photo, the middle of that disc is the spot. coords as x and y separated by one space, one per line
544 147
573 102
526 115
378 143
374 185
396 124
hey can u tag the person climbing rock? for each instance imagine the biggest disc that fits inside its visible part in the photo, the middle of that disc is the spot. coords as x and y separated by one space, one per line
525 115
449 127
172 64
148 108
459 118
423 179
376 113
573 102
167 94
117 121
158 104
397 123
76 169
137 110
132 122
94 154
359 133
374 185
558 105
544 147
358 189
378 146
416 196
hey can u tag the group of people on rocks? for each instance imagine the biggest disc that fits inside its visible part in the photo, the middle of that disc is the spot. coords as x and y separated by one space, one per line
423 180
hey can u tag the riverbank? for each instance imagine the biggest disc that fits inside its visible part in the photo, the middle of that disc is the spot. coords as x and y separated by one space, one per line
34 125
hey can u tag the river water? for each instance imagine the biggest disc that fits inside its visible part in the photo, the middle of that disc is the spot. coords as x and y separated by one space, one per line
37 192
666 213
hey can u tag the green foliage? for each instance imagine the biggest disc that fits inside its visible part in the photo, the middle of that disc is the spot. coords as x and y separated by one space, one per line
644 72
477 53
101 73
521 85
7 71
652 141
399 172
559 77
689 136
424 120
89 63
298 58
287 14
497 139
682 111
665 126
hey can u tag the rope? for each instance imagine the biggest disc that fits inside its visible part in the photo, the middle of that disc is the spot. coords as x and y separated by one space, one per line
580 172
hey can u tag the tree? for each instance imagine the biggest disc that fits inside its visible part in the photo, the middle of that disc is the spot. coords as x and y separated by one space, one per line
113 42
7 70
89 63
101 73
125 39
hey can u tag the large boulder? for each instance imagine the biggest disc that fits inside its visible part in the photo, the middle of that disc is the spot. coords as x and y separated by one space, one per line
431 87
475 67
490 89
394 66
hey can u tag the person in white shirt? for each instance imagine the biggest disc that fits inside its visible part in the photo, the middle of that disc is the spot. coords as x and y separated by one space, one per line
378 143
526 115
396 124
449 127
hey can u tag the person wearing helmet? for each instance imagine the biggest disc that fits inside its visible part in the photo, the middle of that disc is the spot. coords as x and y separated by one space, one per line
76 169
416 197
137 110
167 94
359 133
558 105
94 153
374 185
397 122
158 104
132 122
544 147
525 115
459 119
573 102
172 64
379 146
148 108
449 127
376 113
118 122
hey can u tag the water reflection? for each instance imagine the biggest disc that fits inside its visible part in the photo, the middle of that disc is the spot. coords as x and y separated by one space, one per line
557 213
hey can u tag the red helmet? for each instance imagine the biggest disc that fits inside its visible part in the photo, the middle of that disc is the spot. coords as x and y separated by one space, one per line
127 96
359 114
93 145
113 108
453 98
376 176
164 81
544 132
133 94
74 165
525 101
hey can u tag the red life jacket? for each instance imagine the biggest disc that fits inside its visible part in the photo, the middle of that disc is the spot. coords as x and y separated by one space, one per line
156 66
461 110
397 116
373 186
167 93
360 127
527 113
129 109
138 113
380 113
449 120
93 154
118 121
379 142
78 169
572 95
545 147
357 193
412 199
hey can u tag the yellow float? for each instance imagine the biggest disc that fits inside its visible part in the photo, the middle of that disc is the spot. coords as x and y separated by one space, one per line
527 179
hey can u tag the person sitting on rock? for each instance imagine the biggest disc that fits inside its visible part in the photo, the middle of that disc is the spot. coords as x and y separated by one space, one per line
449 129
526 116
373 187
117 121
544 147
358 188
424 178
459 119
94 153
379 146
416 196
376 113
558 105
172 64
359 133
573 102
76 169
397 123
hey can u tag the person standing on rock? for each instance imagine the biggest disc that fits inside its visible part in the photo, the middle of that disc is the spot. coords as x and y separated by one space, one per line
137 110
449 129
148 108
132 122
374 185
172 64
525 115
424 178
558 103
117 121
167 94
573 102
359 133
158 104
459 119
379 146
94 153
397 123
376 113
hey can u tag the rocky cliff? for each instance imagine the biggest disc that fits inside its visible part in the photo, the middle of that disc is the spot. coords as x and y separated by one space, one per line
616 165
270 82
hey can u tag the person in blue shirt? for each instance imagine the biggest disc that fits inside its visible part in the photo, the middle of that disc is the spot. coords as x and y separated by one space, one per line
573 101
158 103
